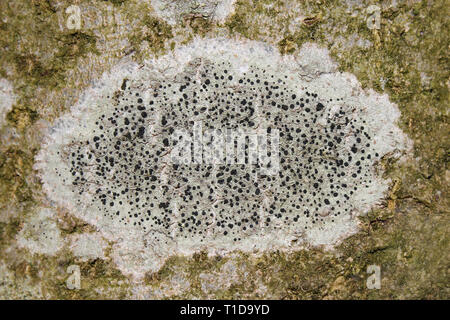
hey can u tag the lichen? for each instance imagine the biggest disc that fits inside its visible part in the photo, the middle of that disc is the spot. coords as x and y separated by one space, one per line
40 233
118 161
406 58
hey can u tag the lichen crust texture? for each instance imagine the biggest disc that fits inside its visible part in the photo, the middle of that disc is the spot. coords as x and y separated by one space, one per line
110 160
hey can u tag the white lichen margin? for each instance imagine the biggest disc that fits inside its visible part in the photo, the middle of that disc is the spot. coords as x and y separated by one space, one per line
88 246
174 11
40 233
136 252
